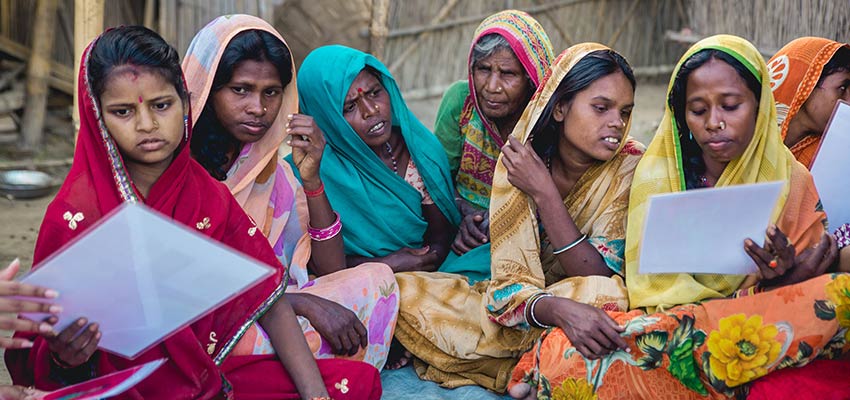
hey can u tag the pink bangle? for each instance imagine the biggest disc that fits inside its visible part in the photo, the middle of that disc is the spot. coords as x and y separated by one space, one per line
317 192
329 232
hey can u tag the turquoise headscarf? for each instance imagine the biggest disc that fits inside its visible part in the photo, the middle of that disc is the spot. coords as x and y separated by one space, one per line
380 212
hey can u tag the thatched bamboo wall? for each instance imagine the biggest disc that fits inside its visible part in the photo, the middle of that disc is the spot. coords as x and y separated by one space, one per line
633 27
769 24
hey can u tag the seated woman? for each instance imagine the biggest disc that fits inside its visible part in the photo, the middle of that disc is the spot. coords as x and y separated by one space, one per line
133 147
718 130
560 195
382 169
808 76
509 55
245 103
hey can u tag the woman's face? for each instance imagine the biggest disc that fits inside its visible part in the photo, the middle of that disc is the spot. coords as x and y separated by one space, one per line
720 111
818 107
248 105
368 110
144 115
594 121
501 87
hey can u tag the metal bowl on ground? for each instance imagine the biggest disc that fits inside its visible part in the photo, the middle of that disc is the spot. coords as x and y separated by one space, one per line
25 184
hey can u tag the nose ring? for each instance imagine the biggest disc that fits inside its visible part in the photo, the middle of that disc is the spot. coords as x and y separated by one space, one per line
265 109
722 125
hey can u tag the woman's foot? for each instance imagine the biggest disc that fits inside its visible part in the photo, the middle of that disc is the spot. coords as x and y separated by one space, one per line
398 356
522 391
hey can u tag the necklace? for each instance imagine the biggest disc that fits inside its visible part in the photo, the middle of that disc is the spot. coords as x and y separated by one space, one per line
390 152
703 180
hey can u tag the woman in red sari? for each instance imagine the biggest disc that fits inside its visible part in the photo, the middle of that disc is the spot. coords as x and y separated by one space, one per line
133 147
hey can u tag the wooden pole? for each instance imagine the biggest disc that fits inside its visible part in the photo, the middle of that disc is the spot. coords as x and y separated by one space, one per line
379 29
38 74
88 23
150 7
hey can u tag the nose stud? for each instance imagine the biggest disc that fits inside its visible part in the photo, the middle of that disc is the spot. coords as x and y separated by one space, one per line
722 125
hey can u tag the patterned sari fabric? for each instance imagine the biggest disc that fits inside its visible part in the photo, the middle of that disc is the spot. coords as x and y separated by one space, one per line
473 334
471 142
794 72
201 363
268 191
717 347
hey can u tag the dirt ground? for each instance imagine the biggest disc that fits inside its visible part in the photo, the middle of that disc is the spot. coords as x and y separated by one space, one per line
20 219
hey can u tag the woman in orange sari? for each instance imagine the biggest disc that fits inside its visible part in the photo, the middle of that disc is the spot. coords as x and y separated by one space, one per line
697 336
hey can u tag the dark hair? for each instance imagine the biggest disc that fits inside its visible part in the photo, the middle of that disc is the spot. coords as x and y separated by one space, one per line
211 143
692 161
840 62
600 63
137 46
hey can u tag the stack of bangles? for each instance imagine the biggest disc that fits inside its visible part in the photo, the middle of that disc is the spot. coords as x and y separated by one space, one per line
327 233
530 317
571 245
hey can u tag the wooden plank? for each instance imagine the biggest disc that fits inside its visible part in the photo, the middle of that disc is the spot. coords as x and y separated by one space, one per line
11 100
8 124
378 29
61 77
88 23
441 15
415 30
38 74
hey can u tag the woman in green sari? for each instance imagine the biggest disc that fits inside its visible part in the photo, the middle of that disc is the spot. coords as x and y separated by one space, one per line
383 171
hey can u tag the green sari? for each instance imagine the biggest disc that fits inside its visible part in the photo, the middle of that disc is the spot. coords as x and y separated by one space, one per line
380 212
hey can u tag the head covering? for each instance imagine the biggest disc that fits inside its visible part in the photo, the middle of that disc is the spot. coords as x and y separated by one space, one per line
97 183
482 143
596 204
794 72
765 159
380 212
264 186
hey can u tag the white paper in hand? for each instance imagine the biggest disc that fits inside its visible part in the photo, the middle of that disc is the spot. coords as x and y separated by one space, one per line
831 165
142 277
703 231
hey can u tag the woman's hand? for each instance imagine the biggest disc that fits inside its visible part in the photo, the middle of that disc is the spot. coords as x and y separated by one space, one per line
8 392
592 332
308 143
779 265
407 259
8 305
474 231
338 325
525 169
76 344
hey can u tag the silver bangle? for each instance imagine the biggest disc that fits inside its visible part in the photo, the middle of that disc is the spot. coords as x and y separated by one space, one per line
534 320
570 246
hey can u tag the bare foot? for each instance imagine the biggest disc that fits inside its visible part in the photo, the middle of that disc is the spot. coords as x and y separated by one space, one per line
522 391
398 356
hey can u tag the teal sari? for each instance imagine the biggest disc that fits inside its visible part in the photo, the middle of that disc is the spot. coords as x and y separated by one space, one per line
380 212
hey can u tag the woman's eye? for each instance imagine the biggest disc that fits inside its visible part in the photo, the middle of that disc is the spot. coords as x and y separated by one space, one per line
272 92
123 112
731 107
375 93
161 106
348 108
600 109
238 90
698 112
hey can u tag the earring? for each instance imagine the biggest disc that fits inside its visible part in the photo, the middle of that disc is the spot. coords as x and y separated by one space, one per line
186 128
691 135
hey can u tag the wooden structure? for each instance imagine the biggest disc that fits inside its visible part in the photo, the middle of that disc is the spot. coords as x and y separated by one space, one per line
424 42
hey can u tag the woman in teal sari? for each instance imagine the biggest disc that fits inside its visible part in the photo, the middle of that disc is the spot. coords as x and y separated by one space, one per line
384 172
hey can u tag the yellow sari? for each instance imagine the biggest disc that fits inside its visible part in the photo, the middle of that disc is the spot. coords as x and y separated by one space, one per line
710 349
473 334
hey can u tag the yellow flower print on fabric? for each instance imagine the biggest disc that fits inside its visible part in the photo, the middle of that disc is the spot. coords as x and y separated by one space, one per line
742 348
574 389
838 291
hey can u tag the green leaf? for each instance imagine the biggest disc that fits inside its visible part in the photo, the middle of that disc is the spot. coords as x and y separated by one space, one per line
683 366
824 310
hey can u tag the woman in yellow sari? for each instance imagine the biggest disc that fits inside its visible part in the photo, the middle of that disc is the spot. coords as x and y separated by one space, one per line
719 129
560 195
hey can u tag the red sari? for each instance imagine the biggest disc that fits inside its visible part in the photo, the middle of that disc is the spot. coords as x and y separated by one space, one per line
198 366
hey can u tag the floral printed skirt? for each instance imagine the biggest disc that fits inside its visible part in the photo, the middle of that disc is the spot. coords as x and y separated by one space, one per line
369 290
715 348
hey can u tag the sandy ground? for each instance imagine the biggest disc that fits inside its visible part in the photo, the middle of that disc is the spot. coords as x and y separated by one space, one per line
20 219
